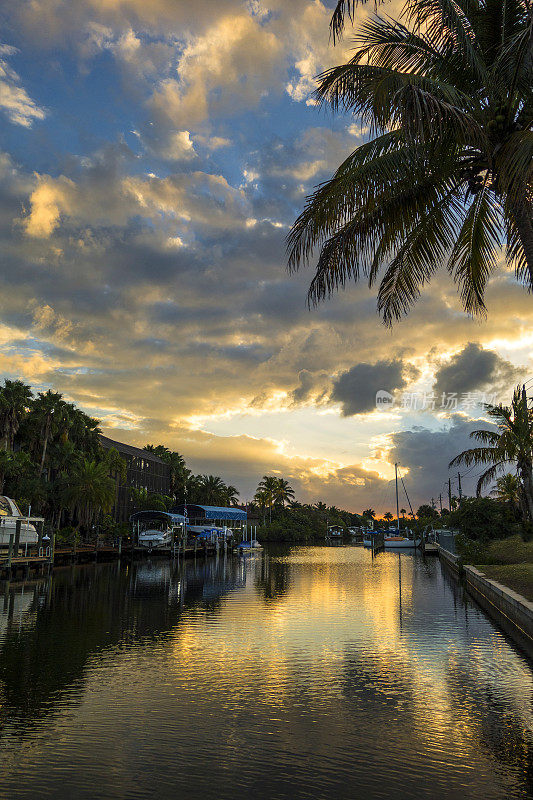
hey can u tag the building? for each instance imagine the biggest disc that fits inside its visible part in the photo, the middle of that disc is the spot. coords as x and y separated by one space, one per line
144 470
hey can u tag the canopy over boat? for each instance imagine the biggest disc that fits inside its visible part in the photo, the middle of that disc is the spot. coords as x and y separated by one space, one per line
212 512
165 516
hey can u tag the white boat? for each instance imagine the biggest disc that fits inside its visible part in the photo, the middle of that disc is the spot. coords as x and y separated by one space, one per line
155 539
9 514
156 529
397 540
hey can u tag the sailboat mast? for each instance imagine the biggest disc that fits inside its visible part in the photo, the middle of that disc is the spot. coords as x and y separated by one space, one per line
397 500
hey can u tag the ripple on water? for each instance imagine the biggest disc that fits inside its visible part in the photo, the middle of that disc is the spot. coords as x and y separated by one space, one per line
312 672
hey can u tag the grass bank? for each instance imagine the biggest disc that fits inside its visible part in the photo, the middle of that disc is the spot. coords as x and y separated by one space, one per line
508 561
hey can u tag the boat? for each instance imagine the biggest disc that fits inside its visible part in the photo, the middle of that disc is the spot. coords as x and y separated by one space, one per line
155 539
395 541
393 538
249 546
9 514
157 529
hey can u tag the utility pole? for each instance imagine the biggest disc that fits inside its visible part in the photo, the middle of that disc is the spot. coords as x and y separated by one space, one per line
440 501
460 491
450 493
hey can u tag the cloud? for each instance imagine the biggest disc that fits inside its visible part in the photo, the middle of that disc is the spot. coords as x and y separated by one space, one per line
14 99
356 389
474 368
426 453
231 65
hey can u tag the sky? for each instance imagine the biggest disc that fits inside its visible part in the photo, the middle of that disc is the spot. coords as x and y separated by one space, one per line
153 156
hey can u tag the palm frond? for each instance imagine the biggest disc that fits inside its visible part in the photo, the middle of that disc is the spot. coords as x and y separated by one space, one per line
489 476
475 253
419 257
474 456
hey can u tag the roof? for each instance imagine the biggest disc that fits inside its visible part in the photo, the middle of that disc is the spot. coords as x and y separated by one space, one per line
129 449
169 516
212 512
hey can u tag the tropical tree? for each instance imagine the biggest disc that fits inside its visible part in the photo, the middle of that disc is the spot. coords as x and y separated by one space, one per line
231 495
283 493
262 499
88 491
508 490
15 399
369 513
388 516
179 474
268 484
118 469
508 446
212 490
447 176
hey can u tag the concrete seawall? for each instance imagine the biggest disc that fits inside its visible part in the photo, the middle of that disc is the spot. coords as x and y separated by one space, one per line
511 611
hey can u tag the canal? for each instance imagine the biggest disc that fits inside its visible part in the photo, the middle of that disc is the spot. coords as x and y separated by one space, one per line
304 672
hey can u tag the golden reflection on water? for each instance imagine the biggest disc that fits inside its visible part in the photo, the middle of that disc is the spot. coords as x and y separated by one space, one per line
315 672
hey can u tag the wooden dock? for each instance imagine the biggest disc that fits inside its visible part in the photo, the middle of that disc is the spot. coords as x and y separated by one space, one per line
42 560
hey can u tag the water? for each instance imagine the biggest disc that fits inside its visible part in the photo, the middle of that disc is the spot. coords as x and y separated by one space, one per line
311 672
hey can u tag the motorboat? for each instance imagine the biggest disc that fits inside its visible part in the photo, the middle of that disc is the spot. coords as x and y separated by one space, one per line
156 530
154 539
9 515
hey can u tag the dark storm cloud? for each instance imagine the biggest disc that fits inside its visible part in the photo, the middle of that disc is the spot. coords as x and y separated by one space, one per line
426 454
474 368
356 389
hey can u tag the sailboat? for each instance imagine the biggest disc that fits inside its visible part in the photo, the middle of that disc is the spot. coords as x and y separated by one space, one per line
394 539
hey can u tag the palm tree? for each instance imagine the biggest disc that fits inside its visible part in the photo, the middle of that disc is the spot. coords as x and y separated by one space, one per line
232 495
388 516
47 408
369 513
510 445
283 492
15 399
508 490
118 469
269 483
262 499
447 178
89 490
212 490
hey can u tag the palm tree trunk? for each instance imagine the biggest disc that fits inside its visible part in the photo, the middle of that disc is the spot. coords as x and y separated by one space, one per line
524 225
45 444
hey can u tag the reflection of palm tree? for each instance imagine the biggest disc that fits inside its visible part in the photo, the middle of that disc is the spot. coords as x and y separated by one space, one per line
448 175
510 445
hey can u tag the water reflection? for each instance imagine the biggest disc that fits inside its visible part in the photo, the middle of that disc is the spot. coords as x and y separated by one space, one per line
299 672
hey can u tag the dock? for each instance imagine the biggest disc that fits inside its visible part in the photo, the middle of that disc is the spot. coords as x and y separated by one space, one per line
42 560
